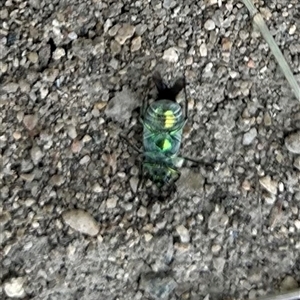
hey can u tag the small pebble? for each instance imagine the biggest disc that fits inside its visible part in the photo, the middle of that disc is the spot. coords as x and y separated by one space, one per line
209 25
269 184
288 283
124 33
142 212
292 142
297 224
171 55
36 154
115 47
33 57
5 217
111 202
14 288
297 163
58 53
72 133
72 35
136 44
17 135
219 263
216 248
267 119
100 105
183 233
97 188
249 136
134 183
10 87
30 121
81 221
76 146
203 50
85 160
57 180
292 29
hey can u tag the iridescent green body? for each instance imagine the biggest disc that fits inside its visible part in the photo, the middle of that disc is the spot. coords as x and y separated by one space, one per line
163 124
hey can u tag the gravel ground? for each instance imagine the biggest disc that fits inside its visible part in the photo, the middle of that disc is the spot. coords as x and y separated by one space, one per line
73 76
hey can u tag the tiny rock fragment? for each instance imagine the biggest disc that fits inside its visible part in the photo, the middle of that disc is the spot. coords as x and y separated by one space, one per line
267 119
111 202
14 288
270 185
33 57
58 53
142 212
76 146
275 215
297 163
85 160
100 105
72 35
124 33
203 50
292 29
249 136
288 283
251 64
209 25
226 45
81 221
136 44
292 142
215 248
36 154
171 55
97 188
57 180
297 224
115 47
30 121
159 286
5 217
183 234
50 75
10 87
72 133
246 185
219 264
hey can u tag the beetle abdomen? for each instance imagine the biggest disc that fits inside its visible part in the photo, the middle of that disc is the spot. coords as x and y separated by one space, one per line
164 115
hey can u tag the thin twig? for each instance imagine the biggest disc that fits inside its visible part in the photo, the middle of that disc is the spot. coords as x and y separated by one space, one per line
259 21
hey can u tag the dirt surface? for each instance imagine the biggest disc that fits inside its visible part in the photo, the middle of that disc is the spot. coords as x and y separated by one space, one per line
73 75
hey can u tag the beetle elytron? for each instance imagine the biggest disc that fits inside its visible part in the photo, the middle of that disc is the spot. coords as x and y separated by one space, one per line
163 122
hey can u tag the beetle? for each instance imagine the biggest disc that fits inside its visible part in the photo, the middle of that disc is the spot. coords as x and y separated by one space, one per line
163 122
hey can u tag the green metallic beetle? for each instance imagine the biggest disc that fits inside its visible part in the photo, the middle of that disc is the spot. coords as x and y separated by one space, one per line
163 122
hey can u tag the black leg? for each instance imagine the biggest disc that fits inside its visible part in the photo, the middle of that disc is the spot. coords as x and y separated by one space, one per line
130 144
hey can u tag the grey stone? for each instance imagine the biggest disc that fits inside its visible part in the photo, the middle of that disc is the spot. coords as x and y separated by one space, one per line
159 286
81 221
249 136
292 142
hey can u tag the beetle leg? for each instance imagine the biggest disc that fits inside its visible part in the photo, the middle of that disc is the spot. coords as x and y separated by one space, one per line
130 144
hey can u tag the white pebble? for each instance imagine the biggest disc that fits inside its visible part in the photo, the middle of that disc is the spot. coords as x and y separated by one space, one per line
183 233
58 53
209 25
81 221
171 55
14 287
